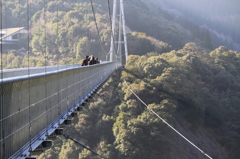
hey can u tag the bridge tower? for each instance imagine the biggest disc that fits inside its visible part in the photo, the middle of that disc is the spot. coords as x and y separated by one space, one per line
122 28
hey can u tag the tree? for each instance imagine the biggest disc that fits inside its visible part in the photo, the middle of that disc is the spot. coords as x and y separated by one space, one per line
82 48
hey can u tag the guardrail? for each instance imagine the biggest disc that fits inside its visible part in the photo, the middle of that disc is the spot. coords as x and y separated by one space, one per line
36 105
9 73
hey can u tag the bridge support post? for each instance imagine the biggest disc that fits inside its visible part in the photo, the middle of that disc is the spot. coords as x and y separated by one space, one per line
124 29
119 52
113 32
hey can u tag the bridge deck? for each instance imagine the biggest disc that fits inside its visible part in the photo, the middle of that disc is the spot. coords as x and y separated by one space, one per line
33 106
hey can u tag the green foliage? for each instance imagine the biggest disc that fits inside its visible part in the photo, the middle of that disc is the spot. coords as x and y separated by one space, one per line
184 85
190 84
82 48
141 136
58 29
140 44
68 150
204 86
147 18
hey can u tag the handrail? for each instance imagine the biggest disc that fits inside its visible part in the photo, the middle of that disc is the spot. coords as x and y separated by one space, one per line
46 99
35 75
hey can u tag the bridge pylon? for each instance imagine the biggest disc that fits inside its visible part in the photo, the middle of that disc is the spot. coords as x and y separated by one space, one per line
122 28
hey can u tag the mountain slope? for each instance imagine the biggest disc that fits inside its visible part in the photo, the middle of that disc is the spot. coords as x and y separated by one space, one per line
197 92
220 17
140 18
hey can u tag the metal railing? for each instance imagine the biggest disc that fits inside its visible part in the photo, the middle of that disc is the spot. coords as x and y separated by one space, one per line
31 105
10 73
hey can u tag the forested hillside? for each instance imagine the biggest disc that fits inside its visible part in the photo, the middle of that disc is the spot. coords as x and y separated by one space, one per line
142 16
219 16
193 86
197 92
64 31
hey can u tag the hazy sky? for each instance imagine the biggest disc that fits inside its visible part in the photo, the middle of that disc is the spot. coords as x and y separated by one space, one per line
213 7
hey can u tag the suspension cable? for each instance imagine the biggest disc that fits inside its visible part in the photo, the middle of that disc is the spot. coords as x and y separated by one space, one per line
29 97
67 136
166 122
95 20
109 13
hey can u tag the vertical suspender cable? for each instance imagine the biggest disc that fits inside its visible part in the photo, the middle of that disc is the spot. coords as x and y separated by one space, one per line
29 100
1 105
95 20
67 89
87 45
77 57
79 37
19 25
6 67
73 84
88 34
6 25
45 59
58 94
73 46
66 86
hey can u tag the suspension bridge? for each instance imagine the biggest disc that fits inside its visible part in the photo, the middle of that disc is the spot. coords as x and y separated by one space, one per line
38 102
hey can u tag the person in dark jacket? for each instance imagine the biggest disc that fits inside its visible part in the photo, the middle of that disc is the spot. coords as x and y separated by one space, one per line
91 60
97 62
85 61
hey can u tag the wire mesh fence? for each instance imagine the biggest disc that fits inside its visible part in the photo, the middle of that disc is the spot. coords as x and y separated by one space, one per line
30 105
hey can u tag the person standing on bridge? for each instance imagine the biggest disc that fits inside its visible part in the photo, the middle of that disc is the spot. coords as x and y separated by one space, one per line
85 61
91 60
97 62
